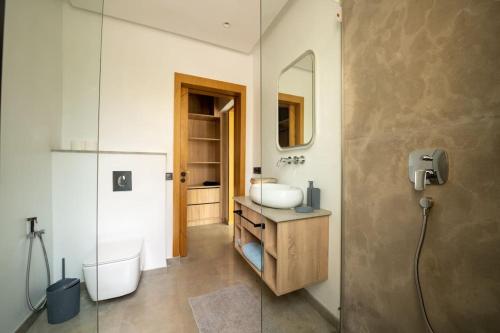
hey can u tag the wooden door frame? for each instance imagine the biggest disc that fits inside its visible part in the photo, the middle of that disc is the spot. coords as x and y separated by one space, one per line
217 87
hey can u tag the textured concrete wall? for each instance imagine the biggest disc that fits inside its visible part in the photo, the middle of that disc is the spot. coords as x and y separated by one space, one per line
417 74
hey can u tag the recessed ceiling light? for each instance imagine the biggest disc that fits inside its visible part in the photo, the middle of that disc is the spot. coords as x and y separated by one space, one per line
226 25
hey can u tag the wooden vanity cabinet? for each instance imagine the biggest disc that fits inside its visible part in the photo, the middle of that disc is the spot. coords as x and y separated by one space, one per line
295 252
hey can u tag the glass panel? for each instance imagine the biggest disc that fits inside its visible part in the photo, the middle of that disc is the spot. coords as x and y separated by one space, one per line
174 97
301 274
48 165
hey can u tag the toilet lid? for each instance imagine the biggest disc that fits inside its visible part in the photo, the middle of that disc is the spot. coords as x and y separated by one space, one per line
115 251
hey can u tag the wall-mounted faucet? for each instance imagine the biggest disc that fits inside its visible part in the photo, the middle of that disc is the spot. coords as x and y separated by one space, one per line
428 166
425 166
291 160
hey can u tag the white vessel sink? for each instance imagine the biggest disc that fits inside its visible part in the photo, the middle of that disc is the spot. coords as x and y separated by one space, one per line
276 195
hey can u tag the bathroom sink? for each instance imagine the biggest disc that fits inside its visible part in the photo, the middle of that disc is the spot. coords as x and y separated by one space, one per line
276 195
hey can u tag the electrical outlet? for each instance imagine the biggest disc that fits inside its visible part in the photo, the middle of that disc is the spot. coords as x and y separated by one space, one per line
169 176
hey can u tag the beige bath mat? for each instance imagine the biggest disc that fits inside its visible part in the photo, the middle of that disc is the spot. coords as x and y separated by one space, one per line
228 310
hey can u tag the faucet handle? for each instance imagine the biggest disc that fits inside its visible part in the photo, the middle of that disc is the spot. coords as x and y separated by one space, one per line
299 159
420 179
427 158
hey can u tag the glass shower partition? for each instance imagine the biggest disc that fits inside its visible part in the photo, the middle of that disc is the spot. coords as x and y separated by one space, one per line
300 75
48 160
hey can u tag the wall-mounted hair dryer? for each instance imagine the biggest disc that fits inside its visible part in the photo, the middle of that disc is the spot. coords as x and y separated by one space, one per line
428 166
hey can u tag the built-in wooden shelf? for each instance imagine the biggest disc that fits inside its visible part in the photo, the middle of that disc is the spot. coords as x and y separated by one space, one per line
204 139
259 273
201 186
199 116
204 162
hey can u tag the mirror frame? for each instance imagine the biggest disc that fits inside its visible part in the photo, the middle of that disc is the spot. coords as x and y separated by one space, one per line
313 120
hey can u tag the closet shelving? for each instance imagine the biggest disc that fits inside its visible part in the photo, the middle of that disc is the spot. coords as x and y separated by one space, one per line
204 160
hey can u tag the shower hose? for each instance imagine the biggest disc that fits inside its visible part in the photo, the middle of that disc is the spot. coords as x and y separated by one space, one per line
426 204
41 306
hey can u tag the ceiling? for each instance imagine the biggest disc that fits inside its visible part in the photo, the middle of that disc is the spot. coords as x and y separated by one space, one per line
198 19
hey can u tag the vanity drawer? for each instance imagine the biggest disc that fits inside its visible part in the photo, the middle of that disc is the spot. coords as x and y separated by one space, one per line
203 196
252 215
255 218
256 231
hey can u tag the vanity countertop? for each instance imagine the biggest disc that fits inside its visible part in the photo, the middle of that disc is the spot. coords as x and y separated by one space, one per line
279 215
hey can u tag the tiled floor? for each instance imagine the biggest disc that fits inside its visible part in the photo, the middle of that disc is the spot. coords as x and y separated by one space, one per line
161 302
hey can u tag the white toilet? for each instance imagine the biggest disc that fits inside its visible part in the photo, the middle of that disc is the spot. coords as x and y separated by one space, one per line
119 267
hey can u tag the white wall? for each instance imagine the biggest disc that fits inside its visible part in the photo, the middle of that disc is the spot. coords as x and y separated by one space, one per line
256 119
81 43
30 112
309 25
138 83
136 213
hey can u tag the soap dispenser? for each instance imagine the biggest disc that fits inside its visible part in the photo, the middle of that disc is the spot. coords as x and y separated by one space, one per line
313 196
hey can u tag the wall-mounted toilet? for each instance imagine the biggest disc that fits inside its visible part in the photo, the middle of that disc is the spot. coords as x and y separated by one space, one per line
119 267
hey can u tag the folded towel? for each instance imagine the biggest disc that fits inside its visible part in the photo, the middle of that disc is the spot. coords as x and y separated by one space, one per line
253 252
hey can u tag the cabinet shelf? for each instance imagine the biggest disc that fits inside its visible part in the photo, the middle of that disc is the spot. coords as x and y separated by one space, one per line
238 248
215 163
272 253
205 159
201 186
204 139
199 116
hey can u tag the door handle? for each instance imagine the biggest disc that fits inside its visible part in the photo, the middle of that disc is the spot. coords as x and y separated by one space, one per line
184 173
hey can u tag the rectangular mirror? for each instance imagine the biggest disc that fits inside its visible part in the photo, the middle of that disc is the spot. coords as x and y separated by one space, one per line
296 103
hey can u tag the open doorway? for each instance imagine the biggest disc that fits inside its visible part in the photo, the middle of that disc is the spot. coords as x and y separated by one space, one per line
209 153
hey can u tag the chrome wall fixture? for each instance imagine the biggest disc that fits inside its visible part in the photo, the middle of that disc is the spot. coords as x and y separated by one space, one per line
291 160
425 167
428 166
